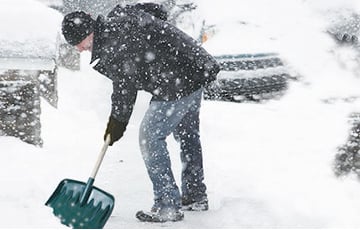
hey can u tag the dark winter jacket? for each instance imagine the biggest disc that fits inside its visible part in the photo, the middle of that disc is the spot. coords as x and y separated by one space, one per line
138 51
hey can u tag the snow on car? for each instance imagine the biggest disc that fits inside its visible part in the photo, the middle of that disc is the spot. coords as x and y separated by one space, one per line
28 66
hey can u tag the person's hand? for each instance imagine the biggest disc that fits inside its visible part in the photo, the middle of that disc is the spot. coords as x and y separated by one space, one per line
116 130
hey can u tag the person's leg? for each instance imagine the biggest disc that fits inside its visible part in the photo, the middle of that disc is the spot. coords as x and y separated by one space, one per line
154 129
159 121
187 133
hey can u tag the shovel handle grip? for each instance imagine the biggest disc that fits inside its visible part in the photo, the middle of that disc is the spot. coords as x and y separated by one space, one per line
101 157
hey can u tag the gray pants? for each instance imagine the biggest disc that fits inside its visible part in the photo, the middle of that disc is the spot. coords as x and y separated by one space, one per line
180 117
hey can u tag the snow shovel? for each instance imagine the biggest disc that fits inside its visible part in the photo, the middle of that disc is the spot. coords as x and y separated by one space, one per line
82 205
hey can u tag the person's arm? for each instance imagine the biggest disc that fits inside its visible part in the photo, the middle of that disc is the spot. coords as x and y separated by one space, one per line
123 100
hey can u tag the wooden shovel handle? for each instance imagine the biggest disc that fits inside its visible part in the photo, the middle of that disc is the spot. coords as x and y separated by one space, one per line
101 157
87 191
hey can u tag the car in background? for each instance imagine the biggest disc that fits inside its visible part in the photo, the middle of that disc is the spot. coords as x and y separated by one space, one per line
249 77
251 68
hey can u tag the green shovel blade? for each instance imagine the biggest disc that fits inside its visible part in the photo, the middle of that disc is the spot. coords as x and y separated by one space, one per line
93 213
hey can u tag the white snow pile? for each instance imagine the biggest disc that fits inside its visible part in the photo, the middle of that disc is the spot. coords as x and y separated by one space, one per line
28 29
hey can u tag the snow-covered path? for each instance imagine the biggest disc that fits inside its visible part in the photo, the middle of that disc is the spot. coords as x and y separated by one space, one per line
266 165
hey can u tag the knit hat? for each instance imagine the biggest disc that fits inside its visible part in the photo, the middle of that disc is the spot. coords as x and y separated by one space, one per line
76 26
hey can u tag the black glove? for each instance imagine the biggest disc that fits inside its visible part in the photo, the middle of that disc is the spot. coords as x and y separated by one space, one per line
116 130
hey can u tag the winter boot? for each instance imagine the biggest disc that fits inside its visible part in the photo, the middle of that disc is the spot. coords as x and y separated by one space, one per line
160 216
191 205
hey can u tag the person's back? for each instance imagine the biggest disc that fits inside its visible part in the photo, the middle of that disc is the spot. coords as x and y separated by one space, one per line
155 55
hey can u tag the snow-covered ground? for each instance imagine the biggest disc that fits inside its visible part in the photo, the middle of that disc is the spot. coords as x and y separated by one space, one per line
266 165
